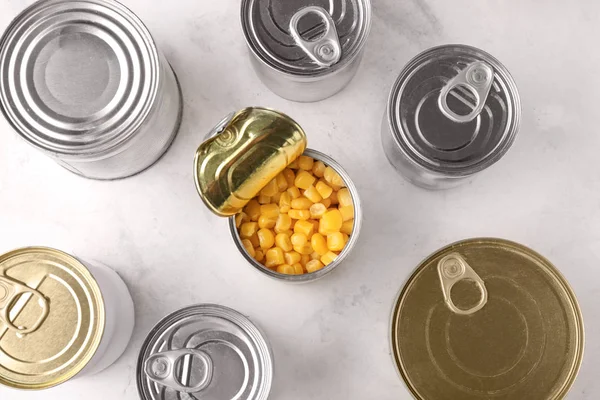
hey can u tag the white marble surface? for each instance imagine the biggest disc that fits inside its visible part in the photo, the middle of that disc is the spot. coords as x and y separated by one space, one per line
330 337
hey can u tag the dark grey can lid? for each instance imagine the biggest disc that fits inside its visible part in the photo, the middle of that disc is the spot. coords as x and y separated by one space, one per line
455 110
306 37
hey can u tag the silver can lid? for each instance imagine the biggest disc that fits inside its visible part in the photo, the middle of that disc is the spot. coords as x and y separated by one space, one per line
77 77
455 110
303 37
205 351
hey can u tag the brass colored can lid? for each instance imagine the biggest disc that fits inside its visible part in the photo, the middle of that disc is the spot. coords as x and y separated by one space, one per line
51 317
245 152
487 318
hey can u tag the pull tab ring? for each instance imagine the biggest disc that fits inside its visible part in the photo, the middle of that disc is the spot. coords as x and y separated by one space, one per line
10 291
478 78
453 269
160 368
326 50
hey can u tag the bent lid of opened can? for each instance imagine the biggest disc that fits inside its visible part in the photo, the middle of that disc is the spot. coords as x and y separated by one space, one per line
245 151
487 318
454 110
205 351
77 77
51 317
306 37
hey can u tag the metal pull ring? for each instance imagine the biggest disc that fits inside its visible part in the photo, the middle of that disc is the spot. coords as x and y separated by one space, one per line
477 78
453 269
10 292
326 50
162 368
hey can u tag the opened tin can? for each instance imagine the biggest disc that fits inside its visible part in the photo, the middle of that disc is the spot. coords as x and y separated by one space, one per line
246 151
453 111
59 318
205 351
306 50
487 318
84 82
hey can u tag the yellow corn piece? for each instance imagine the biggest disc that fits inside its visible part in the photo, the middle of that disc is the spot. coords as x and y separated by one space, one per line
333 178
289 176
335 241
239 218
312 194
319 244
326 202
299 240
314 265
274 257
347 212
282 183
346 238
270 189
299 214
248 229
252 209
301 203
298 270
266 222
293 164
292 257
304 227
259 255
294 192
276 197
304 179
347 227
266 238
333 198
331 221
317 210
284 242
286 269
284 223
306 163
263 199
254 240
324 189
318 169
314 255
304 258
304 250
328 258
269 210
315 224
285 202
344 197
249 248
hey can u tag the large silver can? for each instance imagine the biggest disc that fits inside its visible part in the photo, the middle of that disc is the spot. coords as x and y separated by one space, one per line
84 82
306 50
453 111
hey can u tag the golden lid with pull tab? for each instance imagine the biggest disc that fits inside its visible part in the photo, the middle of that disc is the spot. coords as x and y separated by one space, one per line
487 318
245 151
51 317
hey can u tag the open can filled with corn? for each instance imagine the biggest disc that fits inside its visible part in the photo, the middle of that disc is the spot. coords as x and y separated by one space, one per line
294 213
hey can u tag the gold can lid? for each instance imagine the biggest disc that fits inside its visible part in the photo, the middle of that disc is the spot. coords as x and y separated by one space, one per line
51 317
487 318
245 152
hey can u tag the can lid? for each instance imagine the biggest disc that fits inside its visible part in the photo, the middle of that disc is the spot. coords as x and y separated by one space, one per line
487 318
77 77
207 351
51 317
454 109
306 37
246 150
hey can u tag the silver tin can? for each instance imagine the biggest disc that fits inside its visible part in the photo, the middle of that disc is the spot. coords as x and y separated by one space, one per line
205 351
453 111
83 81
306 50
353 238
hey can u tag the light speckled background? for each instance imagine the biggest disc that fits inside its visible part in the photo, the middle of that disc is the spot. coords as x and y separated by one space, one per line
330 337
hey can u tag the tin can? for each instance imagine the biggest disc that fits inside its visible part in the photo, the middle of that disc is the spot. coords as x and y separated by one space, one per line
453 111
487 318
246 150
205 351
84 82
306 50
59 318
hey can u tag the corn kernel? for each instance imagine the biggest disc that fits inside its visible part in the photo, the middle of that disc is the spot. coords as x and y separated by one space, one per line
304 259
304 227
241 217
312 194
282 183
289 233
326 202
304 180
315 224
333 198
289 176
248 229
292 257
306 163
283 241
344 197
252 209
304 250
314 255
284 223
333 177
314 265
286 269
319 244
331 221
328 258
269 210
346 238
299 214
347 227
299 240
323 189
259 255
298 270
293 164
347 212
266 222
317 210
301 203
270 189
335 241
274 257
254 240
318 169
276 197
266 238
262 199
294 192
285 202
248 246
